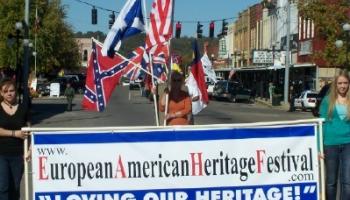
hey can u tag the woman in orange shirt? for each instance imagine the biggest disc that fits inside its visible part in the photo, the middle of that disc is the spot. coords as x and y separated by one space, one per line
179 102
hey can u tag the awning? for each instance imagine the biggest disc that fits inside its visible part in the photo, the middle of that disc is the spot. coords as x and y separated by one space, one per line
305 65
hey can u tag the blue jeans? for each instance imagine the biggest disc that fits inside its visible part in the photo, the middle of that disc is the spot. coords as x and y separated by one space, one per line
337 159
11 171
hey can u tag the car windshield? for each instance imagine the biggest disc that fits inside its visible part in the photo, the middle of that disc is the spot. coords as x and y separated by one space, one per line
311 95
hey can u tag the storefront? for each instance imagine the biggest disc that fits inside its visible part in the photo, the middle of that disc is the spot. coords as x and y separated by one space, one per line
302 77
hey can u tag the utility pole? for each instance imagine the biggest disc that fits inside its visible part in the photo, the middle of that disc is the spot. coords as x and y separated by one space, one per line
286 72
26 54
36 30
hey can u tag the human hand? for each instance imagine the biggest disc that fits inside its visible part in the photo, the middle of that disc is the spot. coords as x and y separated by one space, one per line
28 157
320 156
154 90
20 134
169 116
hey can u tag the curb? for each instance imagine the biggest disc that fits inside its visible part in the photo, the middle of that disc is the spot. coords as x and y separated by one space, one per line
265 103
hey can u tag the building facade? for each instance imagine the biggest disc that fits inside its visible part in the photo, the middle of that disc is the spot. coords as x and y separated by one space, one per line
85 48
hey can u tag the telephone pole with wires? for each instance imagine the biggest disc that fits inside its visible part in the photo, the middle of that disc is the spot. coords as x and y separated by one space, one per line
286 72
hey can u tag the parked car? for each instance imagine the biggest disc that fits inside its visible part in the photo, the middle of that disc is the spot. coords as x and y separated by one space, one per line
125 82
306 100
210 88
43 88
321 94
232 91
211 85
136 84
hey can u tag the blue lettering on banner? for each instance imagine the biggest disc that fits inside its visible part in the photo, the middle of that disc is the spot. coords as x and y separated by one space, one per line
175 135
302 191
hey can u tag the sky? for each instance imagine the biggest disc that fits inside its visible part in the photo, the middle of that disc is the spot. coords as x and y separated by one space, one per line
186 11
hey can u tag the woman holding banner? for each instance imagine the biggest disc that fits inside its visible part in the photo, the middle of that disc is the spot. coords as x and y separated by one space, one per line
13 117
179 104
335 108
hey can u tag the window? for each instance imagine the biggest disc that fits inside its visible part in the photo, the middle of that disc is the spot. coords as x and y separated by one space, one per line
85 55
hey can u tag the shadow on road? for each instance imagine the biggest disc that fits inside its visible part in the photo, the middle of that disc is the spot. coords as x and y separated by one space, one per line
41 112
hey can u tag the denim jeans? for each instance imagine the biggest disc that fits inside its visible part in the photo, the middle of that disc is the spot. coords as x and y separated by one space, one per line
11 171
337 159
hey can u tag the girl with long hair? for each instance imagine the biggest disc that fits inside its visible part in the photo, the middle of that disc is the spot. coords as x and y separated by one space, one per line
335 109
13 117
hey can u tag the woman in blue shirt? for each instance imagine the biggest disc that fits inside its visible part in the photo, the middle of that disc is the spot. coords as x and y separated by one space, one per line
335 108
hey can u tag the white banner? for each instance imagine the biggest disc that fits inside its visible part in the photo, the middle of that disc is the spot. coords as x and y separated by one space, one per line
204 164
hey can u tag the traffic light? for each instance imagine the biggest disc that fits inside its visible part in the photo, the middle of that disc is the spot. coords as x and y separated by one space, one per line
199 30
111 20
178 30
211 29
224 28
94 16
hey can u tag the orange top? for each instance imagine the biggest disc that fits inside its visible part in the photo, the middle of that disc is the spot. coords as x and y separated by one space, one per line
180 105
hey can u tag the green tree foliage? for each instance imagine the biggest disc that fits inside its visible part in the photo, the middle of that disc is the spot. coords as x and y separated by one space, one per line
56 46
100 36
10 14
328 17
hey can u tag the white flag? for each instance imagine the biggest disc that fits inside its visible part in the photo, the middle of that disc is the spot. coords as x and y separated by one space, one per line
194 91
207 67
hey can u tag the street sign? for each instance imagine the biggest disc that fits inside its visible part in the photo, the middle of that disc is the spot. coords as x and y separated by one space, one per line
262 57
268 57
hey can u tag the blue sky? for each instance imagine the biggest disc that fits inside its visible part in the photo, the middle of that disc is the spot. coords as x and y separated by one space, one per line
79 14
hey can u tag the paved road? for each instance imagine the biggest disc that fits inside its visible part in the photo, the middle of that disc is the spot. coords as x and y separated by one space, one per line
50 112
139 111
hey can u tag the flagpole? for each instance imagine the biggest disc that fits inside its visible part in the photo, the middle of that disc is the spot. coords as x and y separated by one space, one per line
151 66
167 95
169 70
136 65
154 95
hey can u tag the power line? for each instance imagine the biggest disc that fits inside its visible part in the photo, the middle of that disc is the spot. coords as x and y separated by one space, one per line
98 7
182 21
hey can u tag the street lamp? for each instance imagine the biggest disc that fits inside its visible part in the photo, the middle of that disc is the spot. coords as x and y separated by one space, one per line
15 38
34 54
340 43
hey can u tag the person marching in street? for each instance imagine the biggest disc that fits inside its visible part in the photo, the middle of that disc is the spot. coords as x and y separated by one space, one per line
335 109
13 117
179 102
69 93
291 98
271 91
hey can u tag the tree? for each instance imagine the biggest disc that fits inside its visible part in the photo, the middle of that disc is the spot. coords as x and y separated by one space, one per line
56 43
56 46
10 15
328 17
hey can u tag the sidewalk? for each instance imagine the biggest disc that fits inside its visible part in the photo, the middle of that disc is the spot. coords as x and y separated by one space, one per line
264 102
